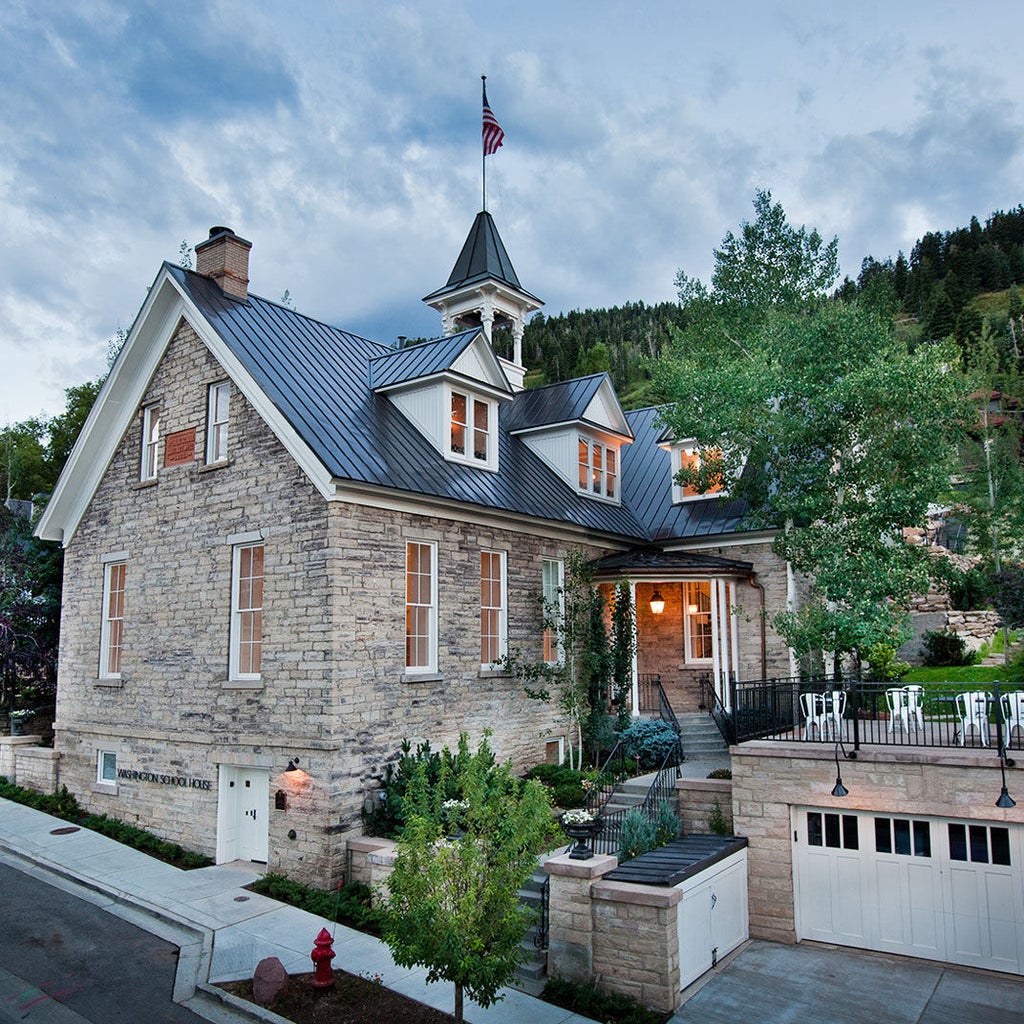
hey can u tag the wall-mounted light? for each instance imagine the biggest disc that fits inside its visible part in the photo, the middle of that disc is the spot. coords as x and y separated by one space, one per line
839 789
294 775
657 602
1005 800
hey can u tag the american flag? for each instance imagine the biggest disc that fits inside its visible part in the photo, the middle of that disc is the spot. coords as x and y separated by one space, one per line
492 132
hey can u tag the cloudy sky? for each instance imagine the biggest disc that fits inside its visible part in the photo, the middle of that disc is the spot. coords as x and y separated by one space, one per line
343 139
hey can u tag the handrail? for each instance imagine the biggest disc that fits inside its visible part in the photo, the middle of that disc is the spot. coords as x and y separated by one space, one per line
668 715
602 790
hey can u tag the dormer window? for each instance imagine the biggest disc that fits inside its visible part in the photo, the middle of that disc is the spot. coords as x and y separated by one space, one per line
471 434
598 468
686 456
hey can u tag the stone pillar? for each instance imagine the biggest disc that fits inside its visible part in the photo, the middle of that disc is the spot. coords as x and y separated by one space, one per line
9 751
570 913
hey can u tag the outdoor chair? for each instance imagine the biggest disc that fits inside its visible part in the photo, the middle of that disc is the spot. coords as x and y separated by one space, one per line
813 707
896 702
1013 712
972 710
914 704
835 708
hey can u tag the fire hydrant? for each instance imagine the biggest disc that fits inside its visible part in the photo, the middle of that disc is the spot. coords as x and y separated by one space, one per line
322 956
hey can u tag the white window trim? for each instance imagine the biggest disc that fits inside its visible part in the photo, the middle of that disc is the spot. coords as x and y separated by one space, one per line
687 630
431 667
502 611
213 425
110 563
588 491
689 447
235 643
467 458
550 605
100 779
149 464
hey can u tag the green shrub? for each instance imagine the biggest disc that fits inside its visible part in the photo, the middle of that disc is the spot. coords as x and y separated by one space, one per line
639 834
565 784
649 741
587 1001
569 794
885 666
971 590
944 647
720 773
718 823
61 805
667 824
349 904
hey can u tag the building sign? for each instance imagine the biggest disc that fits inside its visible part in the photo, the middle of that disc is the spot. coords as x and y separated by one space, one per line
180 447
164 780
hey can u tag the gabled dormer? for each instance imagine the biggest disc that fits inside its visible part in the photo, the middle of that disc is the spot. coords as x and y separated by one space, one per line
484 291
450 389
578 428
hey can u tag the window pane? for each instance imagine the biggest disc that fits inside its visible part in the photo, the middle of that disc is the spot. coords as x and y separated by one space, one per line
979 843
922 839
901 829
814 834
596 453
584 460
610 473
832 830
480 430
458 423
851 840
883 835
957 842
1000 845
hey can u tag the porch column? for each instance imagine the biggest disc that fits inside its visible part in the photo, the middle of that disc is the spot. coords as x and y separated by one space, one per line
635 688
722 597
716 644
734 624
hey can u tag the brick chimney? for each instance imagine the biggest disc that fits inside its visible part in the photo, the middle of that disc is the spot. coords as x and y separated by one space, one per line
224 257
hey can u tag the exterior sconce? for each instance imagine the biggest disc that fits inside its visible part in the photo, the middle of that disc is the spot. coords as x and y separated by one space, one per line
294 775
839 789
657 602
1005 800
692 609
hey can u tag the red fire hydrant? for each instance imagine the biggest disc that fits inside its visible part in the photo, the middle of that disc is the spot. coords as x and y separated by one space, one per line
322 956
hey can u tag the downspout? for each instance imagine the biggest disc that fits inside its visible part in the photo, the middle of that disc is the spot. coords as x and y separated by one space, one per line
759 587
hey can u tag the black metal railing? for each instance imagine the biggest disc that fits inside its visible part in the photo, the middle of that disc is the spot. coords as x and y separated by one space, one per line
540 938
648 685
859 712
607 779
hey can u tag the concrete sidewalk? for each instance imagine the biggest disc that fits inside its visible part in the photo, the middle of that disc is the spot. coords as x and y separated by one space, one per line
222 929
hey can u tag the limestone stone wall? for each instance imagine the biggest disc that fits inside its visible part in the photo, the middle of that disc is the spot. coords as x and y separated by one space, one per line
770 779
36 768
697 801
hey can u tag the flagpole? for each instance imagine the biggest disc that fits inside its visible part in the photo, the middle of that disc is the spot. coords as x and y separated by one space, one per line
483 151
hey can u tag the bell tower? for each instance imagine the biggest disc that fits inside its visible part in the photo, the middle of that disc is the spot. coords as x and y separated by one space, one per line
484 291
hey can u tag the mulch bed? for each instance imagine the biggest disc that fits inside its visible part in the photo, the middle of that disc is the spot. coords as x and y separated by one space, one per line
352 1000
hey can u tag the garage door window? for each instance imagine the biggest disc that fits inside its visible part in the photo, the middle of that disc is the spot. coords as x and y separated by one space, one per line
836 830
903 837
979 843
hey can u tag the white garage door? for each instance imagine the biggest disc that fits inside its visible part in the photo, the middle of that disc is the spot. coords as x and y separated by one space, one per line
929 887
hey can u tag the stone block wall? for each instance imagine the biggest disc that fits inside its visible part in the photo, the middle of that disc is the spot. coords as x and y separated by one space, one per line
771 779
37 768
10 749
697 801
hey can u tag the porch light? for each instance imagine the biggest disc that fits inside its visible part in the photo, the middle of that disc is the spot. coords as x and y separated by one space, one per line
294 775
293 765
1005 800
839 789
657 602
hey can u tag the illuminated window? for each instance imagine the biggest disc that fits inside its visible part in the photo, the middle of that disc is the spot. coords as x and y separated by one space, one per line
697 619
150 442
598 468
247 612
552 573
112 630
470 428
420 607
492 607
685 456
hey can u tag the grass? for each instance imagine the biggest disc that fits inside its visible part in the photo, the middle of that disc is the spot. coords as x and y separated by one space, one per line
959 674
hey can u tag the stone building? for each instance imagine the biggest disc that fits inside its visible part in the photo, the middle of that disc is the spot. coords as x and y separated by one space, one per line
287 546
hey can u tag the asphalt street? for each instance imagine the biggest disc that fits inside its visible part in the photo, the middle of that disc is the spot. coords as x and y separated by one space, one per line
64 961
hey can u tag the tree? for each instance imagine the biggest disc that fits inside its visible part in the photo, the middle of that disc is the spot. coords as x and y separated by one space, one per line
451 903
833 432
623 646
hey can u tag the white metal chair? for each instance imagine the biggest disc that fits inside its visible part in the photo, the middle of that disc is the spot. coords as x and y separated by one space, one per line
914 706
972 710
813 707
1013 713
835 708
896 702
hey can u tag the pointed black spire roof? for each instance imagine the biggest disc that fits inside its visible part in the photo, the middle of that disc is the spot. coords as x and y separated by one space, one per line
483 257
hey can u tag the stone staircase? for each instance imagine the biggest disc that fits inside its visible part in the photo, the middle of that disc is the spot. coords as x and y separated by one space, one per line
701 739
531 974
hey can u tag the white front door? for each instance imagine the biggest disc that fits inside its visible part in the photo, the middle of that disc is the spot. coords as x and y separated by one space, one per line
242 814
935 888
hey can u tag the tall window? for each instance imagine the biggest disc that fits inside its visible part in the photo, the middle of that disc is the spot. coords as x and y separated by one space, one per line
698 621
598 468
112 630
552 574
247 612
420 607
150 442
470 427
217 422
493 631
685 456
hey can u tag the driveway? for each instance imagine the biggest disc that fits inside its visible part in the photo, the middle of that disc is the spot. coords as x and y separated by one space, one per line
767 983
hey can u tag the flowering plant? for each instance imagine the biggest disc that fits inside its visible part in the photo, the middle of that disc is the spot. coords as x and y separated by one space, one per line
453 806
578 816
20 716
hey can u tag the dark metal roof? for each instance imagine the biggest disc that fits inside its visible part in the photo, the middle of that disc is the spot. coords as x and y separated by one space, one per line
483 257
641 561
554 403
677 861
317 376
647 489
422 360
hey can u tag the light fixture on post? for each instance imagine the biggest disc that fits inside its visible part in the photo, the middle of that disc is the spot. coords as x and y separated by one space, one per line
657 602
1005 800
